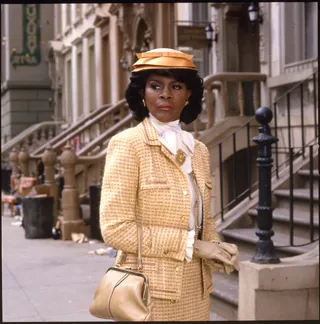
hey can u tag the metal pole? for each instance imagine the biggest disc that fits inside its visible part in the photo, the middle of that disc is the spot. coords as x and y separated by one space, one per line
265 252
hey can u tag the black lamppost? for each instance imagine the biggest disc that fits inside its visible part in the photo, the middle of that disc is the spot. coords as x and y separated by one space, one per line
265 252
254 14
124 64
210 35
145 46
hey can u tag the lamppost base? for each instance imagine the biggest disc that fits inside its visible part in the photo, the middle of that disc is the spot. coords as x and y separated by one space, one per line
265 259
265 253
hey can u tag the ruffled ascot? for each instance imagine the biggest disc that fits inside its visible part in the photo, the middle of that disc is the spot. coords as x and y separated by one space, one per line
174 138
163 58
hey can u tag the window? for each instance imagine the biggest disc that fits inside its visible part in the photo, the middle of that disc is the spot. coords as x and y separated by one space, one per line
301 31
92 79
79 84
78 10
68 14
69 92
3 45
58 19
201 56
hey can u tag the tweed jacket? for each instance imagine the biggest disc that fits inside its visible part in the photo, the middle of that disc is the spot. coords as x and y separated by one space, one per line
142 184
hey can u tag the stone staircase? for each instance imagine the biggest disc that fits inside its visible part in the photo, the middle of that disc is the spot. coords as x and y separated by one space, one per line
224 298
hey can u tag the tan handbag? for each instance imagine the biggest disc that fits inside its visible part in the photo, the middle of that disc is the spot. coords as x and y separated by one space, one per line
123 295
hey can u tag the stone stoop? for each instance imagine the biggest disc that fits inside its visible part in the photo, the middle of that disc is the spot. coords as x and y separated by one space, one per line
224 298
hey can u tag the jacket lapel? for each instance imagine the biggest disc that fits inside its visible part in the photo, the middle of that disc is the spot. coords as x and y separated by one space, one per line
151 138
197 168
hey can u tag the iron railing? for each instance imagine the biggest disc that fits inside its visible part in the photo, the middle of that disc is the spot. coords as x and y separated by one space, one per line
289 153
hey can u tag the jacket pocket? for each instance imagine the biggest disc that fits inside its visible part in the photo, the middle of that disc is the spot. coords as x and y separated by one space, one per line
209 185
154 183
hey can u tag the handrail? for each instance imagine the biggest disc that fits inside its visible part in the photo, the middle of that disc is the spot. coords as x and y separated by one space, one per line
234 76
109 132
219 147
14 141
253 118
72 131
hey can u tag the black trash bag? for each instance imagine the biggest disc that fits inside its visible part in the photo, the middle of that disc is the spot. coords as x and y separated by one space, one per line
95 194
6 180
38 217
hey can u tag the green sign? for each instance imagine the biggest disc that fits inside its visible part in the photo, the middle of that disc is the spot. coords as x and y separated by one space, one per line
191 36
31 54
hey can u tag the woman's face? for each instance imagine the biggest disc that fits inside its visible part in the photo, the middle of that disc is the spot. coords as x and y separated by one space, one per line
165 97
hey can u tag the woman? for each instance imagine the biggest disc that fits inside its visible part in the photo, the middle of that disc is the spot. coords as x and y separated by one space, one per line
158 176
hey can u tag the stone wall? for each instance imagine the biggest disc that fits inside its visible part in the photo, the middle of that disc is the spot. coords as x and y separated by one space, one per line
26 88
285 291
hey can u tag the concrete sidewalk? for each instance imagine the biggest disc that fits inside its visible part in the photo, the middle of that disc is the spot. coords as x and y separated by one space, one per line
47 280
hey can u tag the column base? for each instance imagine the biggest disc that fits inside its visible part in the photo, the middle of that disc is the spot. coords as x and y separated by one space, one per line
69 227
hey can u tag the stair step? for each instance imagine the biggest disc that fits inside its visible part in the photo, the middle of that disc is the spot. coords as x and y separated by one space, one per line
226 287
216 317
303 194
224 298
279 239
307 173
283 215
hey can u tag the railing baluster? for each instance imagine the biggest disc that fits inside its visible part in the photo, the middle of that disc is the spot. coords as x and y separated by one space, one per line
224 98
291 202
315 104
276 135
256 99
240 98
234 166
50 133
249 160
311 200
209 104
302 119
289 120
221 178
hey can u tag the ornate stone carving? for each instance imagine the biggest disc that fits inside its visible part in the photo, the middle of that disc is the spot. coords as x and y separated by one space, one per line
70 196
216 28
24 162
262 31
14 163
49 159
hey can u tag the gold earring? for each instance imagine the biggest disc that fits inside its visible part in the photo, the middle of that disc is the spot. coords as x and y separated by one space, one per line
144 103
187 103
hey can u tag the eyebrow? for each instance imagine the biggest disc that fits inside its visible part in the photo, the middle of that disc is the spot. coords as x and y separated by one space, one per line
156 80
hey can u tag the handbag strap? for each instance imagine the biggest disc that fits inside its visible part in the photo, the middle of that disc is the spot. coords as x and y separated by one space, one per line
139 229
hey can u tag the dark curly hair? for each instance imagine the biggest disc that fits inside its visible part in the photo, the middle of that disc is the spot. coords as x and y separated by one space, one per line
190 77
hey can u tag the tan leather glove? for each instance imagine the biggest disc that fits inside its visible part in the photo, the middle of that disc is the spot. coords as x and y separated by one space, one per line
211 250
220 267
233 250
220 255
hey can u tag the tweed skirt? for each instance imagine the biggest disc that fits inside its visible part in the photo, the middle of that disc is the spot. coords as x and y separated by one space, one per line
192 306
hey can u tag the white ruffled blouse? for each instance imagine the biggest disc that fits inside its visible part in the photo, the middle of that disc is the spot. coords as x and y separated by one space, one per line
173 138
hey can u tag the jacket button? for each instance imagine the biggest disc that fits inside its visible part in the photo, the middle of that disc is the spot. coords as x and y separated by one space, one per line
177 268
166 251
185 192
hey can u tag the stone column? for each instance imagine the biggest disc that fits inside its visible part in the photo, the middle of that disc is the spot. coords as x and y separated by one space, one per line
71 222
24 162
49 159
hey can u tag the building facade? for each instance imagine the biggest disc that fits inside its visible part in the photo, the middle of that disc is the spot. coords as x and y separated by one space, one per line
90 48
26 94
